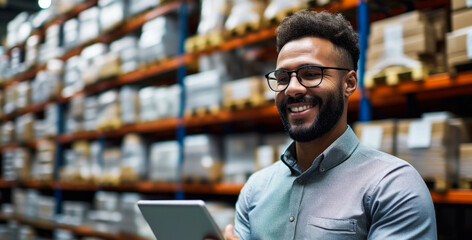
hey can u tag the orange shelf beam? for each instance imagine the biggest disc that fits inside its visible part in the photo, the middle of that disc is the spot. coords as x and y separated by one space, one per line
456 196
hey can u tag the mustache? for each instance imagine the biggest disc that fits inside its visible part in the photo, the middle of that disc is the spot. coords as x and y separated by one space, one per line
303 99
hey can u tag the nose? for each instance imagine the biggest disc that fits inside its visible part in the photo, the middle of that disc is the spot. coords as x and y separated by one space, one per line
294 88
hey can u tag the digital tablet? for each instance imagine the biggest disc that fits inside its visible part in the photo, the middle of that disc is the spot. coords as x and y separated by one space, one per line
179 219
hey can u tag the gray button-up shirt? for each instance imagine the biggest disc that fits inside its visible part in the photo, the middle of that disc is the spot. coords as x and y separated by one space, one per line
350 192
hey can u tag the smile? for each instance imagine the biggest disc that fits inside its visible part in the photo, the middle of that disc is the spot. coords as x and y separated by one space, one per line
300 108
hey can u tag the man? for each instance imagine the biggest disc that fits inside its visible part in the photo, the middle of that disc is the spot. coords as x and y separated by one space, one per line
327 185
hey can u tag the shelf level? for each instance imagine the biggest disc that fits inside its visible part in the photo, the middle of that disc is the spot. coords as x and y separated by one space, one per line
453 196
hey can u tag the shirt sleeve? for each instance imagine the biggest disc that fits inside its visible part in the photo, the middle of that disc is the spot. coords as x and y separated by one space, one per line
401 207
241 222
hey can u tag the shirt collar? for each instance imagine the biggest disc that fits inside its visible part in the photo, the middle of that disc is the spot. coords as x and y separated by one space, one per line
340 150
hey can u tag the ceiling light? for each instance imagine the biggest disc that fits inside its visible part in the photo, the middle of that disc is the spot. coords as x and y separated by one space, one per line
44 3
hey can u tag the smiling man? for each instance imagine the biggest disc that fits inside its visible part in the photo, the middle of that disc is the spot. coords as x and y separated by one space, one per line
327 185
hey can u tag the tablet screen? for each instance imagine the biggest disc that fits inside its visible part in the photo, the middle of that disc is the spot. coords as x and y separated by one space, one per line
179 219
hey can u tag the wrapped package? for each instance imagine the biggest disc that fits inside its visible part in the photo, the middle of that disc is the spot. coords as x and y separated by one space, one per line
158 40
129 105
202 159
164 161
112 13
127 50
133 160
239 158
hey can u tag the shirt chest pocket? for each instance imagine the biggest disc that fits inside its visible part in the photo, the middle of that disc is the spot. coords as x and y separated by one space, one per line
328 228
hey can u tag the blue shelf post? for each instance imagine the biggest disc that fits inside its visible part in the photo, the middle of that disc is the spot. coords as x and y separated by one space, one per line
363 28
181 72
59 158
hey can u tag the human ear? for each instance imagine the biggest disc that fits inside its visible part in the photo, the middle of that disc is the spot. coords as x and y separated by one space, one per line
350 83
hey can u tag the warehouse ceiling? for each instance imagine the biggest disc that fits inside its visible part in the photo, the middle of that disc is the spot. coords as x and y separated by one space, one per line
10 8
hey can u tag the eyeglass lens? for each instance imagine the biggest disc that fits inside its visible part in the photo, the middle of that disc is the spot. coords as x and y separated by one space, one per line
309 76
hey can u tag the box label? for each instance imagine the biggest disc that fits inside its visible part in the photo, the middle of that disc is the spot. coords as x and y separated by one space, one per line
419 134
393 37
372 136
469 45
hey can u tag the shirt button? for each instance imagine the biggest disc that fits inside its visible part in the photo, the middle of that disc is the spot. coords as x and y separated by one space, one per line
292 219
322 169
299 180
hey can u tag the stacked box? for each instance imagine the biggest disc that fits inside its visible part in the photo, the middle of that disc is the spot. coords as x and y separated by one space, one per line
74 115
108 113
111 159
71 33
23 95
89 26
107 216
129 105
8 132
72 81
62 234
203 89
158 40
15 33
272 147
50 123
202 158
277 8
164 161
52 47
5 69
134 223
245 13
46 207
22 164
32 51
43 161
17 64
408 35
465 164
239 157
92 60
159 102
74 213
65 6
47 84
431 147
464 129
246 90
10 96
133 161
24 128
112 13
8 166
377 134
138 6
127 50
459 41
90 113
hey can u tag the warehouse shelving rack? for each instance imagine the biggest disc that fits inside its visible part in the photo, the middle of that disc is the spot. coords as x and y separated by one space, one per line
433 87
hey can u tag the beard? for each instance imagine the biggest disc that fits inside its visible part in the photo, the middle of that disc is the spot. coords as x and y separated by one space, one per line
329 114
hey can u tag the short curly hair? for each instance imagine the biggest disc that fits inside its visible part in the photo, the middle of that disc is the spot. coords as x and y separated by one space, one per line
333 27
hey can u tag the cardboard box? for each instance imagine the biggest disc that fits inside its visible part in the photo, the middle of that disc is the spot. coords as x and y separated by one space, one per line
377 134
457 41
408 30
407 18
459 4
461 19
164 161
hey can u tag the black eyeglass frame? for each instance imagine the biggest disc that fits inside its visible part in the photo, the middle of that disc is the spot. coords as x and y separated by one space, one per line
322 68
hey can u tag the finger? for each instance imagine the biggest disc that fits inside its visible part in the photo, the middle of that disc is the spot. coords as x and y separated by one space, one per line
229 233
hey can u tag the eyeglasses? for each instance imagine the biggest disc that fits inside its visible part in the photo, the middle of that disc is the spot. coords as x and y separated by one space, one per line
309 76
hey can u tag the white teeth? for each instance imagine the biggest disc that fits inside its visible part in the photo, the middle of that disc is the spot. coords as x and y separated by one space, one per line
299 109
